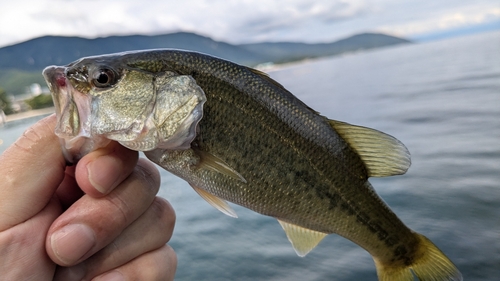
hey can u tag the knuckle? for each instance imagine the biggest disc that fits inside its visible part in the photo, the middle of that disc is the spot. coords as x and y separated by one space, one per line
34 134
165 214
149 174
171 258
124 212
163 262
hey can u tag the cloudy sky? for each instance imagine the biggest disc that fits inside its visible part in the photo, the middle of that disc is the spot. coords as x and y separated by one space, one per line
243 21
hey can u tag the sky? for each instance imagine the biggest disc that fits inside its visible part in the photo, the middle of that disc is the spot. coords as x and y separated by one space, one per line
246 21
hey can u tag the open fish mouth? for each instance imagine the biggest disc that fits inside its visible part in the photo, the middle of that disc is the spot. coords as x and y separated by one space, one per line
88 117
73 115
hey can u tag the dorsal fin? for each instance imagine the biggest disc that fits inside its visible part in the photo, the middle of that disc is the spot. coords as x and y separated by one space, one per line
382 154
216 202
303 240
214 163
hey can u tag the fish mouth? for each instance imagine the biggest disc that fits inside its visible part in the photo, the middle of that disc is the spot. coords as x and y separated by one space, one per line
73 112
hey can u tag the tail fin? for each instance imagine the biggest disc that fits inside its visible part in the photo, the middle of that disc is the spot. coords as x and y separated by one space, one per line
431 265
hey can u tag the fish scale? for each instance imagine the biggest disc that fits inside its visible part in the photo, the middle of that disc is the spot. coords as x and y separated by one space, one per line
267 146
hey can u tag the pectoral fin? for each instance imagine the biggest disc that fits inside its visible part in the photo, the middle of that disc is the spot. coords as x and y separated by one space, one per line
216 202
303 240
382 154
214 163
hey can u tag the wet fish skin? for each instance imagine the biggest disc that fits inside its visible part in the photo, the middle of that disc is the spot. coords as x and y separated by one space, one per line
258 146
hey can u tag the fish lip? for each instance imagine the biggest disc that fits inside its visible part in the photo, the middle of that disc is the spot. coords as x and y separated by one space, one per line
56 79
51 74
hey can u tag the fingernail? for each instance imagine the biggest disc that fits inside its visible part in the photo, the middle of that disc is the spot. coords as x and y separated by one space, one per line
104 173
72 242
111 276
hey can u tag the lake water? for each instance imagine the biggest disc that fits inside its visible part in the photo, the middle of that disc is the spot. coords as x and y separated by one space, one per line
441 99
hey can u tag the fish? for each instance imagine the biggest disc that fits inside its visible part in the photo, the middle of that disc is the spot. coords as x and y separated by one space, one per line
236 135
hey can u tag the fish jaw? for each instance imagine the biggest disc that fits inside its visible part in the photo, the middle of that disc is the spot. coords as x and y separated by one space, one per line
73 113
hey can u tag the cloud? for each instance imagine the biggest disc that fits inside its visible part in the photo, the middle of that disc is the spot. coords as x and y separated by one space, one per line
296 20
225 20
301 14
445 21
343 10
238 21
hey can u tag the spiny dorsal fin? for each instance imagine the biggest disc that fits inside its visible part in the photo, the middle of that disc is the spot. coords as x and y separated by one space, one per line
214 163
216 202
303 240
382 154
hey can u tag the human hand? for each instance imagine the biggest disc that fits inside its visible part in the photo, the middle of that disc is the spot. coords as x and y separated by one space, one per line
97 220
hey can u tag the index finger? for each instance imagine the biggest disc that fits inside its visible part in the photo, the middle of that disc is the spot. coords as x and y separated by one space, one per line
30 171
100 171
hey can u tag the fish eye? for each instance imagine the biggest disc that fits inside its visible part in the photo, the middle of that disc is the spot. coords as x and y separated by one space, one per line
103 78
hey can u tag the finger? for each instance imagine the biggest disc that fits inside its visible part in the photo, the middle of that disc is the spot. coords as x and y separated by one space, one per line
69 191
98 172
92 223
159 264
149 232
32 168
22 248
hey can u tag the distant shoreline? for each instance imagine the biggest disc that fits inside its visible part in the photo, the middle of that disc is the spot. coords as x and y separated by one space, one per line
28 114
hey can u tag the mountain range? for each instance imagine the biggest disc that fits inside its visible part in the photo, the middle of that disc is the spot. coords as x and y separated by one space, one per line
33 55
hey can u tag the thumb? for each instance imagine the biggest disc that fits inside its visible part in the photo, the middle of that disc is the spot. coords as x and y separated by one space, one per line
31 169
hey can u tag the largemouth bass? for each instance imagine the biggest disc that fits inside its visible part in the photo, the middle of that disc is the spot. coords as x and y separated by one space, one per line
236 135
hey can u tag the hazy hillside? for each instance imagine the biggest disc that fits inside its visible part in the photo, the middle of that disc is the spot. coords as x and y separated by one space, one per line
37 53
286 51
15 81
21 64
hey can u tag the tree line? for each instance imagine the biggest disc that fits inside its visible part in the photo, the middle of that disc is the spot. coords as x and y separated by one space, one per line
36 102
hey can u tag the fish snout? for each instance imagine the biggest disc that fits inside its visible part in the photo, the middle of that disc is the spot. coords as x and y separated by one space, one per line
72 112
55 77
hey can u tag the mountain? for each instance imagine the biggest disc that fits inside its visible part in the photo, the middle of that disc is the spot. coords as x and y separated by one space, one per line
19 62
287 51
37 53
40 52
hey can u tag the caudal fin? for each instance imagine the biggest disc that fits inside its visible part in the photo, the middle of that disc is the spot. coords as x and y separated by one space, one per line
430 265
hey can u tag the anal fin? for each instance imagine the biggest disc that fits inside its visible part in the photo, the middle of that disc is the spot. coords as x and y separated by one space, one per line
303 240
216 202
